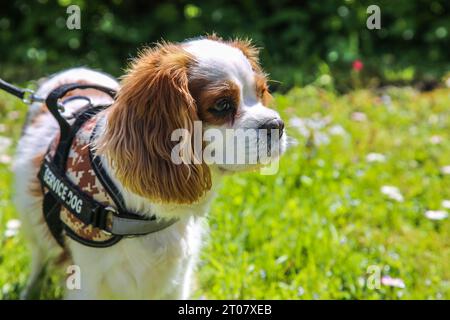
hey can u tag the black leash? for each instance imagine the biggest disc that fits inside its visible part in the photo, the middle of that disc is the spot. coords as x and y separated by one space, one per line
26 95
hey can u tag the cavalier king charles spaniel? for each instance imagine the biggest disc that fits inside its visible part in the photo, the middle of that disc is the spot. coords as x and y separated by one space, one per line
216 82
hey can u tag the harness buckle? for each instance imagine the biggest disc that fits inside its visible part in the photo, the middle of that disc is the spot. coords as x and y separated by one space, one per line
110 211
99 217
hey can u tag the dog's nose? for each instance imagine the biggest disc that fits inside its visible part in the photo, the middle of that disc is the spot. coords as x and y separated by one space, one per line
276 123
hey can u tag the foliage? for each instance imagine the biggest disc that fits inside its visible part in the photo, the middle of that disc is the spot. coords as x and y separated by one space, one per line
312 230
302 40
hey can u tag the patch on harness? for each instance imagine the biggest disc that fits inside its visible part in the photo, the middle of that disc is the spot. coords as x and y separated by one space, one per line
79 171
62 190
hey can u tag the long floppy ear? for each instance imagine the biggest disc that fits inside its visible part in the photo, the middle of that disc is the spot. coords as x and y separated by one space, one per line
154 100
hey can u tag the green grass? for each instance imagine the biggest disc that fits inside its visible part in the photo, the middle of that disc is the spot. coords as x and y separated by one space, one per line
312 230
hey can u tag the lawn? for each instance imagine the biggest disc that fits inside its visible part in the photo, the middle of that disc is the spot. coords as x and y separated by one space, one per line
367 187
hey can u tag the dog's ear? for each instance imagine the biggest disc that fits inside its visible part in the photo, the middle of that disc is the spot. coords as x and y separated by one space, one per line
153 101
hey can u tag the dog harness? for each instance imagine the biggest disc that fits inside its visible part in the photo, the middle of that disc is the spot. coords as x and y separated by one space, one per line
80 199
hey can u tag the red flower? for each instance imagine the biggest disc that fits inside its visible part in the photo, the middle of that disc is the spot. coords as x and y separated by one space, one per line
357 65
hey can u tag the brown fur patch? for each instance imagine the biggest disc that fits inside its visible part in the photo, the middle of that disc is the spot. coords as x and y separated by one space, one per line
262 89
206 94
63 258
35 188
153 101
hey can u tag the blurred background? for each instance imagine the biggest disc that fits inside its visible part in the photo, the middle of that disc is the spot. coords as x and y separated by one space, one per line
359 207
302 40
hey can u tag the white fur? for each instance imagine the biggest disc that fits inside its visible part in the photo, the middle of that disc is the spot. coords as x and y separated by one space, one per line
154 266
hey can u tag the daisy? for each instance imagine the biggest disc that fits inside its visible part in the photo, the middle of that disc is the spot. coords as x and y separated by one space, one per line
392 193
393 282
375 157
436 214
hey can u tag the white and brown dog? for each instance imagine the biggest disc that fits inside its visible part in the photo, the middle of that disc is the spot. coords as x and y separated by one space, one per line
217 82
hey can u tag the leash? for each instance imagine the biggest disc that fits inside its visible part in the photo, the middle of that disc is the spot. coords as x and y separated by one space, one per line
26 95
60 192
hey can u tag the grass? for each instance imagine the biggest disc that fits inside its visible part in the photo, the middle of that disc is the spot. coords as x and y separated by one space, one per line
312 230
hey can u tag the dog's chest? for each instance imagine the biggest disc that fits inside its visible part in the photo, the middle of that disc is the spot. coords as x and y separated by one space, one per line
156 266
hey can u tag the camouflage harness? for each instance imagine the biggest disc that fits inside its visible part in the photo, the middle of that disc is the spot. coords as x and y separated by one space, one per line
80 199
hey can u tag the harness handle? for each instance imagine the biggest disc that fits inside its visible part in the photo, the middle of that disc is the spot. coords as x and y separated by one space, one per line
61 91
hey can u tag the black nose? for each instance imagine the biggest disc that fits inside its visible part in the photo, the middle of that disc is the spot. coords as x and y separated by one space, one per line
276 123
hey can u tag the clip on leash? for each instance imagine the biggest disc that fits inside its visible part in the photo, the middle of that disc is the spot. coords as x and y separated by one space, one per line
26 95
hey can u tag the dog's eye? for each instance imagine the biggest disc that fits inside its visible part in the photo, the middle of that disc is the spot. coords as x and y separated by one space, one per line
222 106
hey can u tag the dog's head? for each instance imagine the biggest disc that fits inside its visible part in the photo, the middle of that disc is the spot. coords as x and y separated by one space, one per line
216 83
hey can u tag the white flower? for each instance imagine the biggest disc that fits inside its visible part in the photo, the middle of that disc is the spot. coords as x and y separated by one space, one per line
9 233
309 123
310 126
392 193
4 144
445 170
337 130
392 282
359 116
5 159
375 157
13 224
436 214
445 204
316 124
321 138
300 125
12 228
436 139
306 180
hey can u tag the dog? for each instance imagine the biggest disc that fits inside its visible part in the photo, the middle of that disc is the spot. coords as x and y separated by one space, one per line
216 82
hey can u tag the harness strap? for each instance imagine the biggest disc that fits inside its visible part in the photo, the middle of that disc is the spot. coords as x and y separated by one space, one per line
94 213
103 176
133 227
